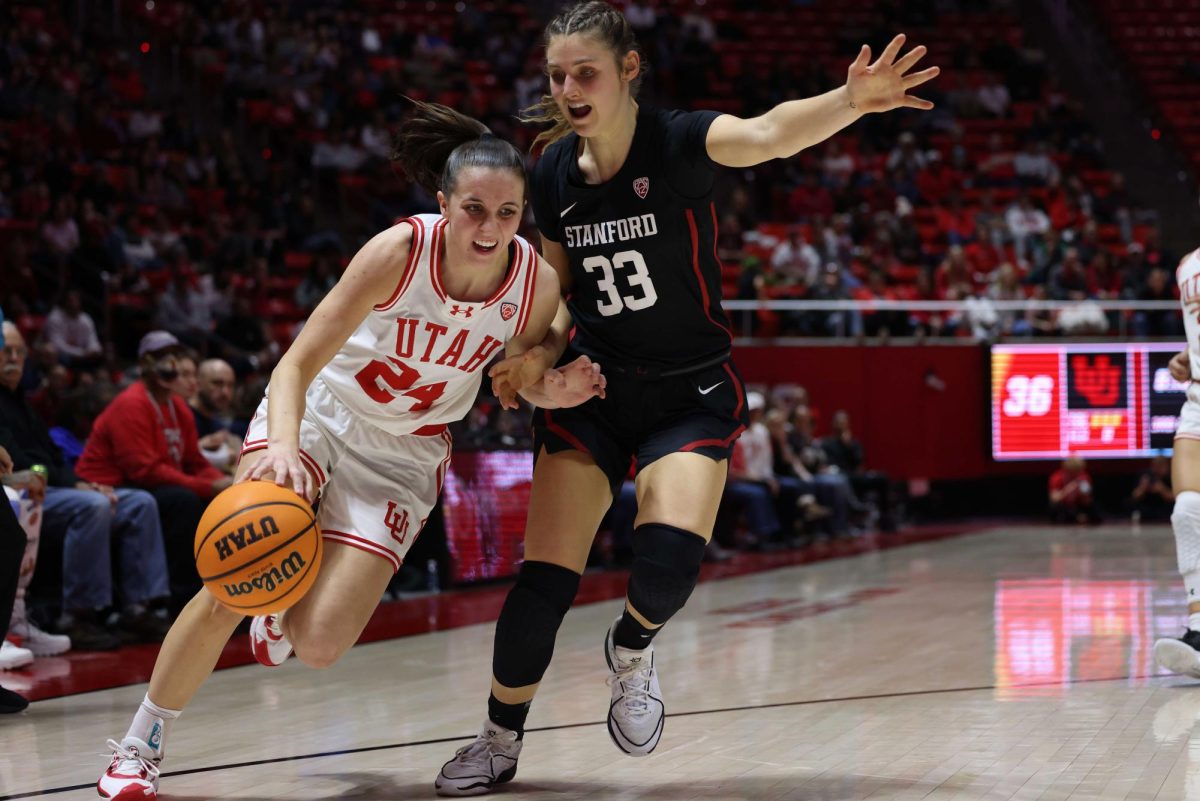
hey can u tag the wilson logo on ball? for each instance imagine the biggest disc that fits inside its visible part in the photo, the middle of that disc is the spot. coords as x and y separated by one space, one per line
245 535
269 579
258 547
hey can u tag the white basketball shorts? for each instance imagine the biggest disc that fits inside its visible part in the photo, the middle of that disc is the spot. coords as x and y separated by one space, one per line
376 488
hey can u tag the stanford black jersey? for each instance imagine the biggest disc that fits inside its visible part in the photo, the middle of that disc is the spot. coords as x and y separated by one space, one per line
646 280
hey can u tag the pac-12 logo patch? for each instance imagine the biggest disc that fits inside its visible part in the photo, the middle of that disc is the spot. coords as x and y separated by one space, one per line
642 187
507 310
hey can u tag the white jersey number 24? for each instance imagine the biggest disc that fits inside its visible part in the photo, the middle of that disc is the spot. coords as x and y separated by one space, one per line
638 279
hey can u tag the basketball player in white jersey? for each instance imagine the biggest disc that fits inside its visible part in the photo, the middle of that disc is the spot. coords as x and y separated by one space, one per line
356 411
1183 655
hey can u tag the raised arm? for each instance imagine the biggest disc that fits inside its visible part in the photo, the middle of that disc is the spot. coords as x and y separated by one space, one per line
792 126
370 279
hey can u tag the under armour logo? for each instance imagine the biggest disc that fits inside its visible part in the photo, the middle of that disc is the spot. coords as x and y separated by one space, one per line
397 522
465 311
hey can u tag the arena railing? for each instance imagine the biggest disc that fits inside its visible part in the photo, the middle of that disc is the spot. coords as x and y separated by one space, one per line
985 317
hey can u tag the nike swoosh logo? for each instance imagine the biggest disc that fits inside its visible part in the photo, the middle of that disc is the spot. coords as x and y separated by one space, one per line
568 209
710 389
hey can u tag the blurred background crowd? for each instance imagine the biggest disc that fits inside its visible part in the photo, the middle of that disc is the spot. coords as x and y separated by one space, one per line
181 182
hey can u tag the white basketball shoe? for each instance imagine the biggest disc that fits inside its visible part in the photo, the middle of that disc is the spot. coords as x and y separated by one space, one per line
637 713
132 774
41 643
12 656
1180 656
267 641
490 759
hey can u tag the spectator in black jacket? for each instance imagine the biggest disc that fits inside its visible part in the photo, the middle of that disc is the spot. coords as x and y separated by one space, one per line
846 454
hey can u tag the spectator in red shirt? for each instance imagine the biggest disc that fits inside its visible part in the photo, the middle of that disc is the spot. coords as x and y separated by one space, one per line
147 438
1071 497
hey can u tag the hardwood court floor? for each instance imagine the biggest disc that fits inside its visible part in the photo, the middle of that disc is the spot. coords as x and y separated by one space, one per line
1013 663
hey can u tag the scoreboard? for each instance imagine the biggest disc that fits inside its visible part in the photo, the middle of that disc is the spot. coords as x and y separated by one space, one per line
1113 400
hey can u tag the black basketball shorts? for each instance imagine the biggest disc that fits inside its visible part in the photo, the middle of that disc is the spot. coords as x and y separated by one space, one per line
647 416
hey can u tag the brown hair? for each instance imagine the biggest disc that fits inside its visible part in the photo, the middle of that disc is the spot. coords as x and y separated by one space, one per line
603 23
436 142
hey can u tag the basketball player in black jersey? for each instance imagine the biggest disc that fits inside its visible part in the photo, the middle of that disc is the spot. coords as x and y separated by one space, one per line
623 199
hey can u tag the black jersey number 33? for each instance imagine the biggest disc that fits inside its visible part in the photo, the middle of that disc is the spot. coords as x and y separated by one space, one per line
645 276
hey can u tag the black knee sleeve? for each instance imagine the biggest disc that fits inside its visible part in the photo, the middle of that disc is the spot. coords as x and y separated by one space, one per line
666 564
529 622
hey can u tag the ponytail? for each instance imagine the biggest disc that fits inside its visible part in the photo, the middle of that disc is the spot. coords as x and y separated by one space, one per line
436 142
546 111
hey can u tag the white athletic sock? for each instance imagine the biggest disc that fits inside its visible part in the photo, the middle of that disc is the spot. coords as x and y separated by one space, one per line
1191 581
150 725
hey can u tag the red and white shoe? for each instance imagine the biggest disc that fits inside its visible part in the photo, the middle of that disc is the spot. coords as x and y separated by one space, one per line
267 642
130 776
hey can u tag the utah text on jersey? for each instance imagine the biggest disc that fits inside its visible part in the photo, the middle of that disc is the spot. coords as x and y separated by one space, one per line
417 359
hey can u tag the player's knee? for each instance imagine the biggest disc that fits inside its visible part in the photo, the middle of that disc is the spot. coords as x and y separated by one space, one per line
317 652
1185 519
529 622
319 656
666 565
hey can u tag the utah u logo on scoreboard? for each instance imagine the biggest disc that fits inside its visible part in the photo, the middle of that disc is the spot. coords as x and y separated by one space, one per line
1097 381
397 522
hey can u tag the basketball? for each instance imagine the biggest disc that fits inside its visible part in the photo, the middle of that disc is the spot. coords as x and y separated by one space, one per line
258 548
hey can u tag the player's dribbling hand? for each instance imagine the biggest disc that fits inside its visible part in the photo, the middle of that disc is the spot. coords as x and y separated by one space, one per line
883 86
574 383
283 466
1181 367
515 373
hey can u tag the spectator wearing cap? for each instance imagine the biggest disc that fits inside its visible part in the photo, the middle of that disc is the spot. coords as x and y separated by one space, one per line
771 516
751 483
86 514
147 438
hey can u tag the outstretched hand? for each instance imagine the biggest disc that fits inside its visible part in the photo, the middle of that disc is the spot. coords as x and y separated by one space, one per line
574 383
515 373
883 86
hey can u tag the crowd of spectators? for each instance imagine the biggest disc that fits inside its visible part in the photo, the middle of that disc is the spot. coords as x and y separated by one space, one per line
177 196
221 203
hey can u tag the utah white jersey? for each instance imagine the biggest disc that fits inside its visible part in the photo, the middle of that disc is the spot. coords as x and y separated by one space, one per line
416 361
1188 277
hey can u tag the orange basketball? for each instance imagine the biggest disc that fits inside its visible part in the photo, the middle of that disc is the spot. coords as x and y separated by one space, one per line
258 548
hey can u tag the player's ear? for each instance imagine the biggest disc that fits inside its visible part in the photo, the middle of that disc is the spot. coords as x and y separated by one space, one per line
631 66
441 199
